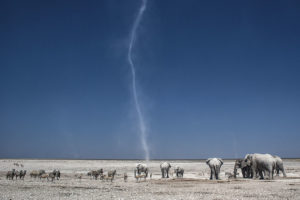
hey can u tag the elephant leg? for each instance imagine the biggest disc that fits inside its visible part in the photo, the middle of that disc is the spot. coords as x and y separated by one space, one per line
217 173
250 173
273 169
211 174
162 173
167 173
261 174
270 173
254 172
244 172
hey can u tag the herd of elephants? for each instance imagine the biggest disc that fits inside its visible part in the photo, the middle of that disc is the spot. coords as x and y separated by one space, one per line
252 166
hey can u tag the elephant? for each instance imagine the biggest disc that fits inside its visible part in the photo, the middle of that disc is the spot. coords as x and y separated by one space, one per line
246 169
179 171
141 168
279 166
215 165
165 167
261 163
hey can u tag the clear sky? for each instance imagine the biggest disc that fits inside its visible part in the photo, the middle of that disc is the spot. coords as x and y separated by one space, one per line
215 78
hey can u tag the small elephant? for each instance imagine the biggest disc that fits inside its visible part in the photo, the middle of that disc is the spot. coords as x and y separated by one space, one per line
164 167
215 165
246 169
179 171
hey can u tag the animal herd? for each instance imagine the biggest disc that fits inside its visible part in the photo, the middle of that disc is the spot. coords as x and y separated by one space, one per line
252 166
41 174
15 173
99 173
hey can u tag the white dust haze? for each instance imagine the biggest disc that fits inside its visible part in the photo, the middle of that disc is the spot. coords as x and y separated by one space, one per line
142 126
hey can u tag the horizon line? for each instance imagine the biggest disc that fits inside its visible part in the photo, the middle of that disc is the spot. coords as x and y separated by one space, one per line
127 159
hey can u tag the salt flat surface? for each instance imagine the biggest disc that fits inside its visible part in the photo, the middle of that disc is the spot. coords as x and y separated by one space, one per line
194 185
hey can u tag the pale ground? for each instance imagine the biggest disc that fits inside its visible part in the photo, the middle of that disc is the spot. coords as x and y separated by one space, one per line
194 185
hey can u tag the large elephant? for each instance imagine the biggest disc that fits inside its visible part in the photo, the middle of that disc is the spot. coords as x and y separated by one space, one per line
246 169
279 166
165 167
215 165
261 163
141 168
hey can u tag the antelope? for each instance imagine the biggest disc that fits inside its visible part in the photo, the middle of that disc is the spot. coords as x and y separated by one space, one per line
139 177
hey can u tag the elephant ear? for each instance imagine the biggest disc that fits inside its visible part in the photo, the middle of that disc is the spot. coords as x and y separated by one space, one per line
207 161
249 156
221 161
248 159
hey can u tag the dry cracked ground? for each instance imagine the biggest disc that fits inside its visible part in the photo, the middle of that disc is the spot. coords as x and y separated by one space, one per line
194 185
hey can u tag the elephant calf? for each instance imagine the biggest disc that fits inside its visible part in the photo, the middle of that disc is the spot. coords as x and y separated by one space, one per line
245 168
179 171
215 165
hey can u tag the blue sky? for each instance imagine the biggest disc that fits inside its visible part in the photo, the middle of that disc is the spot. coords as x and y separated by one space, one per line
215 78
